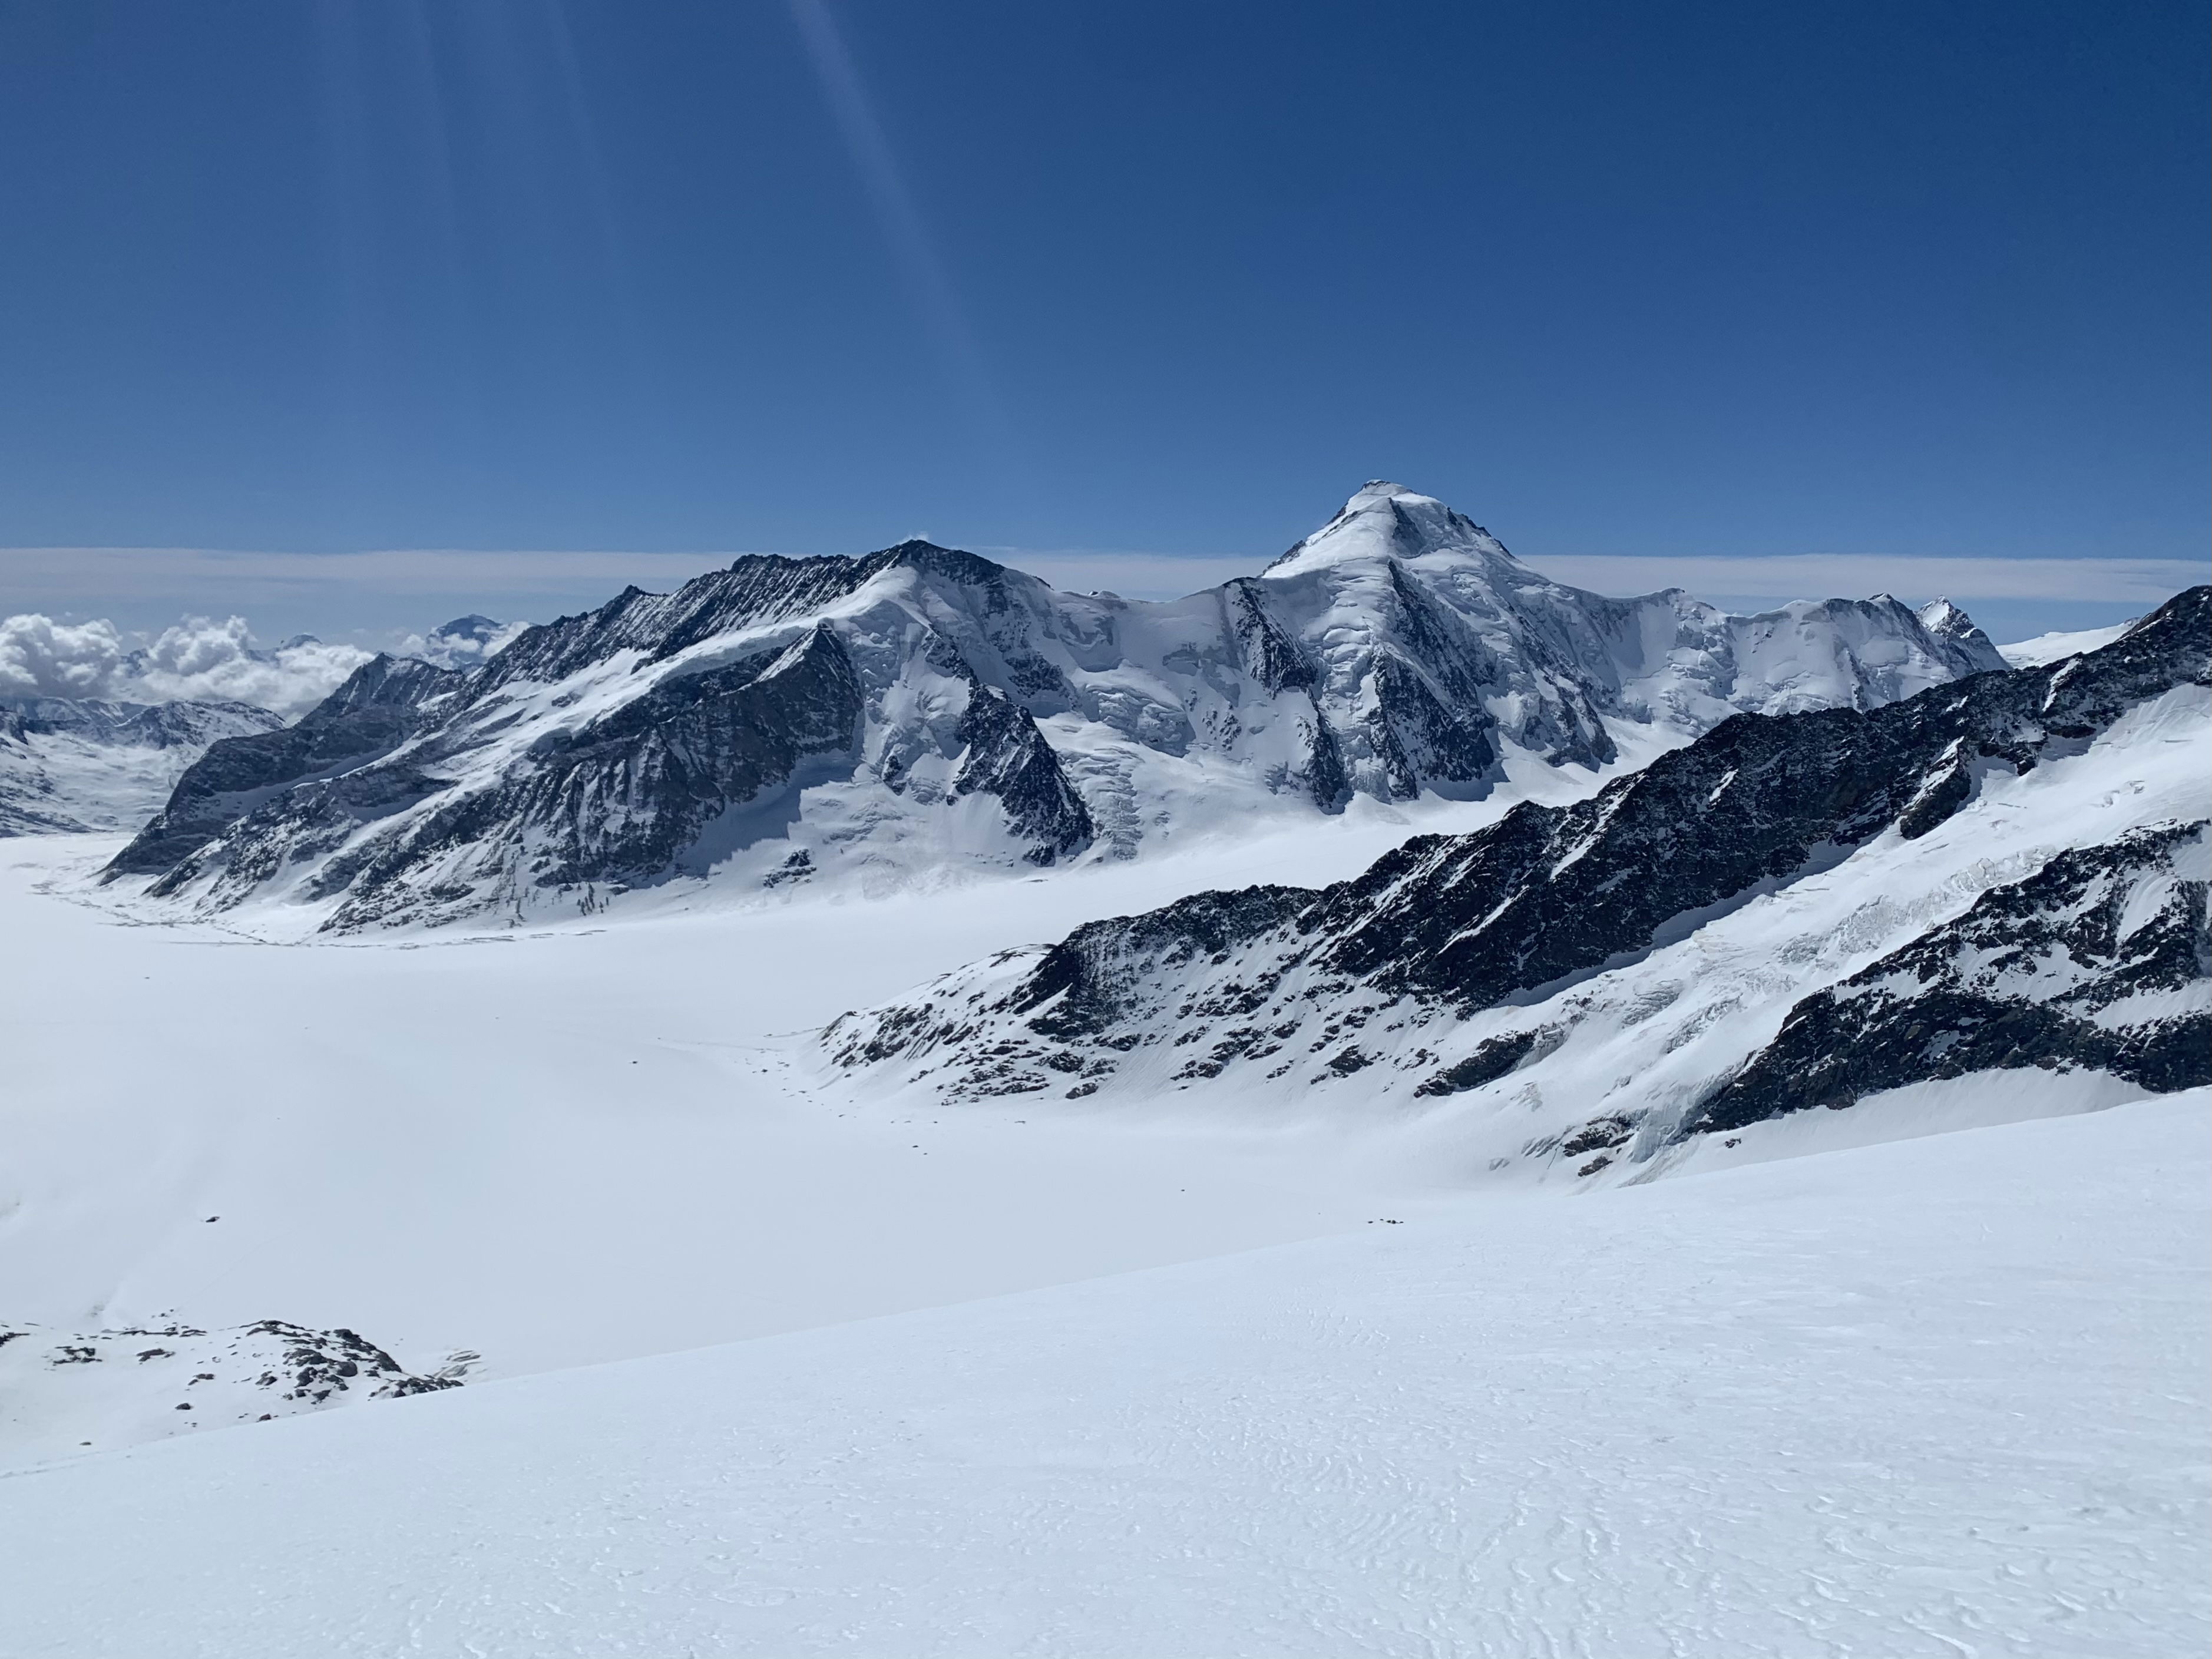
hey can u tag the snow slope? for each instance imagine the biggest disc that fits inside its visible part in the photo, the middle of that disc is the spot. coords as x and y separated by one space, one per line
577 1143
1942 1397
2056 648
72 765
64 1390
523 1145
923 715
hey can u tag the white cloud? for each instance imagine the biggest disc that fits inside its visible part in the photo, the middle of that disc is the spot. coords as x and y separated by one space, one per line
2144 582
198 659
42 658
356 585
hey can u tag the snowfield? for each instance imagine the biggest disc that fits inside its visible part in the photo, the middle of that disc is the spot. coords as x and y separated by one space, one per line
1943 1397
1733 1215
73 767
530 1145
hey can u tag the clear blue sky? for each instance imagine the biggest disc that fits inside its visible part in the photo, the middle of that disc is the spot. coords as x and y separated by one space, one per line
1924 278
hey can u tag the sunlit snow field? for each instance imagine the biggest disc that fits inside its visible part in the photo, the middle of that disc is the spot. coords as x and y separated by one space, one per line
1029 1377
579 1143
1940 1397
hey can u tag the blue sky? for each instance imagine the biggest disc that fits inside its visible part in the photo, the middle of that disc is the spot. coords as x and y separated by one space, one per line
1893 282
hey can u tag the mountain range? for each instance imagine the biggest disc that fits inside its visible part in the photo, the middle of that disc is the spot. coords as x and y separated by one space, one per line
2004 877
78 766
875 722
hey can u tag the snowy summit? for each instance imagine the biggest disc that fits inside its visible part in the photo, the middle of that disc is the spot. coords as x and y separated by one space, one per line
921 714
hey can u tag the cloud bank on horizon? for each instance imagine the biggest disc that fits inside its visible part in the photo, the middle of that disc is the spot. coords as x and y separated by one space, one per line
362 588
51 649
200 660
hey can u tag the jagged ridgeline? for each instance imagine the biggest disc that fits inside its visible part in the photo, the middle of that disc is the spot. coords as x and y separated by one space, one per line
875 720
2006 872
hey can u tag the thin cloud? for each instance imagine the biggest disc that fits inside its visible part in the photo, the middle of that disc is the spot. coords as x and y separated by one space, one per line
1827 575
1776 579
78 577
92 580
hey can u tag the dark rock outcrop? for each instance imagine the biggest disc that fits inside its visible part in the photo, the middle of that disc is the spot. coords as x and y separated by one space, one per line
379 706
1552 892
2089 962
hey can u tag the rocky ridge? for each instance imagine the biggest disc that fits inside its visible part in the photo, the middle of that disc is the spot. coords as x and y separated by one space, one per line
1468 965
2100 959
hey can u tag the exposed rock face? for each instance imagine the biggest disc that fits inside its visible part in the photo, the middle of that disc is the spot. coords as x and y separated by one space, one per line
379 706
69 766
126 1385
1551 892
2098 959
1945 621
885 718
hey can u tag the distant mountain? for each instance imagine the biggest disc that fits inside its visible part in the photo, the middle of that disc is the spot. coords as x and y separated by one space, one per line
69 766
872 721
74 765
1945 621
2005 876
464 641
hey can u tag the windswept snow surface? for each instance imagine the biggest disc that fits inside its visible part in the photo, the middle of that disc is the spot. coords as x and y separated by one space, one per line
1943 1397
2052 647
575 1144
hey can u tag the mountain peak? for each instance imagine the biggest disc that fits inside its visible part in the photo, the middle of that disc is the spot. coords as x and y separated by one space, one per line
1385 519
1946 621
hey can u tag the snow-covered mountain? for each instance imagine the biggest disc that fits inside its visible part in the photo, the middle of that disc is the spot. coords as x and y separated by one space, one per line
874 721
1826 908
71 765
463 642
2056 648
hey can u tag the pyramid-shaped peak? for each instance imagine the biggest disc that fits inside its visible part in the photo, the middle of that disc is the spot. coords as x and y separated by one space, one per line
1384 519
